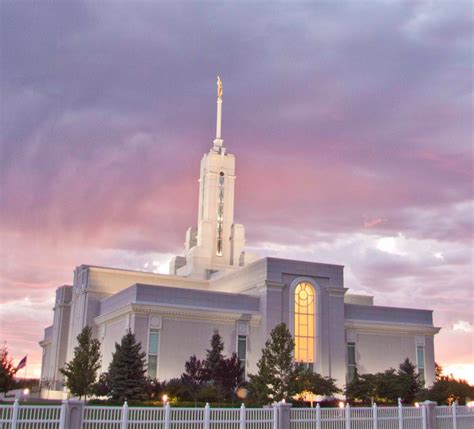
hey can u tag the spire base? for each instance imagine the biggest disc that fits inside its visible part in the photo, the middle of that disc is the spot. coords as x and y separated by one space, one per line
218 145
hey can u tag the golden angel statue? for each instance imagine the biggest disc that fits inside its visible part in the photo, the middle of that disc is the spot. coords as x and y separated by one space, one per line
219 87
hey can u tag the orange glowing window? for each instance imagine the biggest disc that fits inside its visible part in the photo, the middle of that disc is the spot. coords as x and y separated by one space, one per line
304 323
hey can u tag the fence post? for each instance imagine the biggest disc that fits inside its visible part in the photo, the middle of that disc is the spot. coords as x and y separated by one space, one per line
348 416
275 415
167 416
423 416
74 413
242 416
207 416
455 423
62 416
284 415
400 415
318 416
375 416
429 414
16 407
125 415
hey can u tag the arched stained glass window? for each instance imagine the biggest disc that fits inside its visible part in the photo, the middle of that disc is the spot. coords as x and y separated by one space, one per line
304 323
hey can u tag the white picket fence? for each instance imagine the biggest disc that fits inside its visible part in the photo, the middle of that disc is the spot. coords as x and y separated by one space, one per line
18 416
178 418
446 417
358 418
454 417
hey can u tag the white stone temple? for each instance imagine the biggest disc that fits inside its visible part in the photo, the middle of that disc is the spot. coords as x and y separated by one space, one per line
217 285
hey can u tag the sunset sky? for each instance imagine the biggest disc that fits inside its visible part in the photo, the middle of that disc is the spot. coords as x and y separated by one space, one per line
351 123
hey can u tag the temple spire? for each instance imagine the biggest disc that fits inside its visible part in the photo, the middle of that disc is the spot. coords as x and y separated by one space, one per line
218 141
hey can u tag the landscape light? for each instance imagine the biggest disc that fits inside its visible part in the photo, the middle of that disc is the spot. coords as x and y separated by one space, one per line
164 399
417 405
26 391
341 404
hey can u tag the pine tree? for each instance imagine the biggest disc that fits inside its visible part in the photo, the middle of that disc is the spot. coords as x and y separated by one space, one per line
7 370
127 370
277 377
81 372
409 381
193 376
214 358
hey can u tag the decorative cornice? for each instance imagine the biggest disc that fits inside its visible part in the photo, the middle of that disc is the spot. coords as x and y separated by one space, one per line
178 313
269 285
337 291
387 328
45 342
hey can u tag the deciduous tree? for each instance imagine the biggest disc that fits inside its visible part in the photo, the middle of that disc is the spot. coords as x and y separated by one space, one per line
312 382
81 372
277 377
231 375
7 370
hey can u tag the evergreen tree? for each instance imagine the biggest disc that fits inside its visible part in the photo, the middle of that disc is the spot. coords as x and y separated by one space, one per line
214 358
408 381
276 378
127 370
194 376
7 370
81 372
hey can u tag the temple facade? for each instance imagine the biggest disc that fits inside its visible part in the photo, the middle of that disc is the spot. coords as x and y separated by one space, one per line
216 284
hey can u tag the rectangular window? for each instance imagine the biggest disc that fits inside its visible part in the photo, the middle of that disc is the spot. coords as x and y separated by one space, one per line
351 361
153 352
420 363
242 349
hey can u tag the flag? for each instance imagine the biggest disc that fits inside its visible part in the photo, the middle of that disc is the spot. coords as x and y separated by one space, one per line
22 364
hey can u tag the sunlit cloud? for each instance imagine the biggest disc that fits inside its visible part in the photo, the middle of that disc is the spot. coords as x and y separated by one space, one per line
463 325
460 371
366 163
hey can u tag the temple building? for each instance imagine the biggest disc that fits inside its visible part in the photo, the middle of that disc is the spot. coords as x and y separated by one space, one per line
218 285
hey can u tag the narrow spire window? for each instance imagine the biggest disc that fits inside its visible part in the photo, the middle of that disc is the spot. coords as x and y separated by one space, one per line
304 324
220 213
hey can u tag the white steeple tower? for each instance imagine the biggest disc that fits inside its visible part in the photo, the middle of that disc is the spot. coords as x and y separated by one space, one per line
217 242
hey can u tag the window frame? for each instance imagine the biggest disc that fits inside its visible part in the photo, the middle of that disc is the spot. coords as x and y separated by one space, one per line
242 361
349 375
421 368
157 354
317 353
